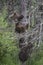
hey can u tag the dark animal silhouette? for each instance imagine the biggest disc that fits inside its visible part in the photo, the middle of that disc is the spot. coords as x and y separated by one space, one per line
20 28
21 42
25 51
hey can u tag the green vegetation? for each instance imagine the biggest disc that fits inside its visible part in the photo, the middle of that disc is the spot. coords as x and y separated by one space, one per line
2 16
8 44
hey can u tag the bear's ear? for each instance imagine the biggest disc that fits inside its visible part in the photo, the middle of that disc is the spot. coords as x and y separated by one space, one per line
20 17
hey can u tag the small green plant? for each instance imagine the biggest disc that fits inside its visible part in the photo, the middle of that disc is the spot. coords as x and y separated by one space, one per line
2 16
